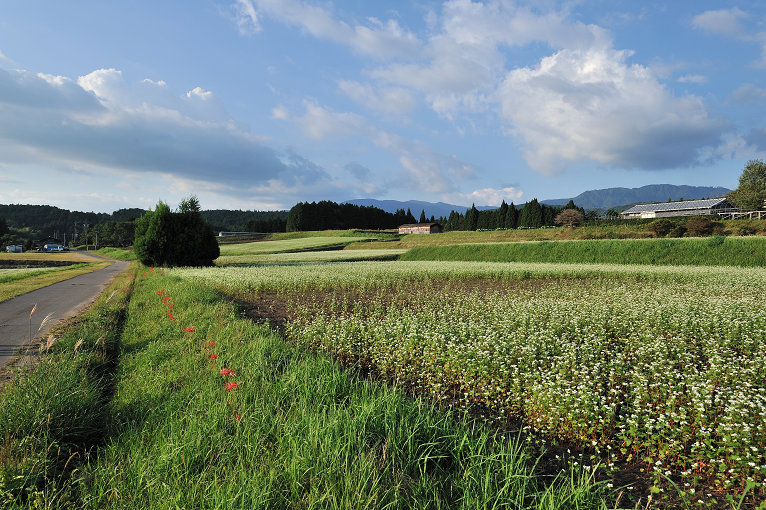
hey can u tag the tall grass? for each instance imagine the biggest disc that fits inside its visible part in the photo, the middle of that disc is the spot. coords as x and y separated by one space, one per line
713 251
53 417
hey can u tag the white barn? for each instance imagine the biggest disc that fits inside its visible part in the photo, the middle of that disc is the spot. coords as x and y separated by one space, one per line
683 208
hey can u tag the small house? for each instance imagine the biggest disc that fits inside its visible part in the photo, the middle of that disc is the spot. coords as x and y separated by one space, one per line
420 228
682 208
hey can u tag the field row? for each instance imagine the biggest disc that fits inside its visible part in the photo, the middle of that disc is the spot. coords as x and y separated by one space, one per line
658 365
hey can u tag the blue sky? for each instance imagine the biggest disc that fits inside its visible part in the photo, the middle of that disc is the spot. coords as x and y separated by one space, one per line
259 104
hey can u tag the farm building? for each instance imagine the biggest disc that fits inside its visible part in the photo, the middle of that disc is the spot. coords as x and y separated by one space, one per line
14 248
683 208
420 228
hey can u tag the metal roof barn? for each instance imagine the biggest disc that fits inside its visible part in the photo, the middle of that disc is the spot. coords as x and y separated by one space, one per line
684 208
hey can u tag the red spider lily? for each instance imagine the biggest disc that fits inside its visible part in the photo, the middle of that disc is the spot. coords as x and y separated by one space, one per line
211 343
227 371
213 356
146 274
190 329
166 299
160 292
236 416
231 386
151 269
170 316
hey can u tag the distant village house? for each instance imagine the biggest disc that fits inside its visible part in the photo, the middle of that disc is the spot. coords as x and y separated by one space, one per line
683 208
420 228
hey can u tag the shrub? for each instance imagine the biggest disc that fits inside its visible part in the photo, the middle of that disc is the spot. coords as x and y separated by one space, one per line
699 227
678 231
165 238
569 218
660 228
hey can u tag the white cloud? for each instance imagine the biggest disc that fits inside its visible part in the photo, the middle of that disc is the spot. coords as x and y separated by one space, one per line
693 78
379 39
730 23
246 17
486 196
102 122
591 105
721 22
5 58
319 122
393 100
749 93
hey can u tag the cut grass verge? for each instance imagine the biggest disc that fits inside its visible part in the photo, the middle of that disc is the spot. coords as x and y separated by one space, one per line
21 283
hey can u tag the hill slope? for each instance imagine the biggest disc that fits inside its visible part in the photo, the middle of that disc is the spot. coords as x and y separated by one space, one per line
613 197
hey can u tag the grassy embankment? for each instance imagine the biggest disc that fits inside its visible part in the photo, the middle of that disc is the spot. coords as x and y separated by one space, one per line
636 229
294 249
712 251
14 282
286 428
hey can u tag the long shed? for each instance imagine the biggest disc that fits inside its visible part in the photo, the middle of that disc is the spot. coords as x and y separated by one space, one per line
682 208
420 228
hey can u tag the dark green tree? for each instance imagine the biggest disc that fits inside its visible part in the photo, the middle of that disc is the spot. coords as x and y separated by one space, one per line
422 216
531 215
751 193
511 217
471 218
166 238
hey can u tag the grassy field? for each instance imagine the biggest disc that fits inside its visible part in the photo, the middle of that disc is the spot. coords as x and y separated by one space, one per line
290 245
405 384
710 251
309 257
207 409
15 282
656 366
37 256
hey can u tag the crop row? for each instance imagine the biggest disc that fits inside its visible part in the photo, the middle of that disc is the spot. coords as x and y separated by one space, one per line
658 365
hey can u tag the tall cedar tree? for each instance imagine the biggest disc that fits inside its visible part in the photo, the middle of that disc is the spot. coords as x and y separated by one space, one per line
166 238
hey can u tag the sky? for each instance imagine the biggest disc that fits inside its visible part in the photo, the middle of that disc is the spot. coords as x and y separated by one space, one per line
260 104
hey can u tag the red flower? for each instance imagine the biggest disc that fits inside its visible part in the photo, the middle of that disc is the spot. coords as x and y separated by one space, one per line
160 292
146 274
231 386
213 356
151 269
166 299
170 316
190 329
211 343
227 371
236 416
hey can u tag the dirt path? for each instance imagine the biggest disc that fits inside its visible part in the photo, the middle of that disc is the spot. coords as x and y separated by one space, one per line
55 303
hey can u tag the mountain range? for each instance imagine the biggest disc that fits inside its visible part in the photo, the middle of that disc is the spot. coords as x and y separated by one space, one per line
592 199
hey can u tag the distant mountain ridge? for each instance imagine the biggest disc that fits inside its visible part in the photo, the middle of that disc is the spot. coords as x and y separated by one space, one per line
436 210
615 197
592 199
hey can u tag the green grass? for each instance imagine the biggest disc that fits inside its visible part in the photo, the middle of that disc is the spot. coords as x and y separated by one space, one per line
54 417
314 243
712 251
116 253
15 284
309 257
297 432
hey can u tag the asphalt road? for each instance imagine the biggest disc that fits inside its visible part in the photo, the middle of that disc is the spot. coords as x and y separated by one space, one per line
61 300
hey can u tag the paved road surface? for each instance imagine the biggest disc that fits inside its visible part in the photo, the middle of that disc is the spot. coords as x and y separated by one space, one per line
63 300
